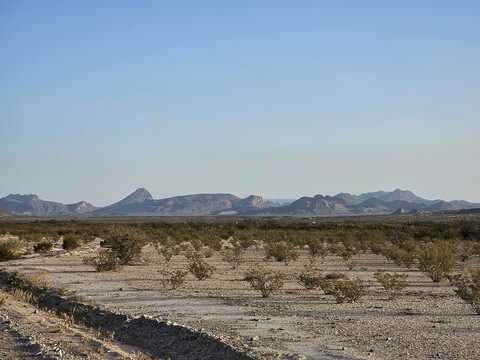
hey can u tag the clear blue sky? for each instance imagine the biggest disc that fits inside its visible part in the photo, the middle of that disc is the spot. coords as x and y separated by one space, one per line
277 98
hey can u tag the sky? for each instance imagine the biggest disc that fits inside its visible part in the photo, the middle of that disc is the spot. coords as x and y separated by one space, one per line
276 98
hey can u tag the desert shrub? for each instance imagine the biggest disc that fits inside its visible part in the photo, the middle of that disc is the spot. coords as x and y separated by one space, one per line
11 249
437 259
197 244
327 282
125 244
43 246
70 242
400 257
392 283
233 256
103 260
281 251
467 287
264 281
200 269
309 279
207 252
348 290
173 279
316 248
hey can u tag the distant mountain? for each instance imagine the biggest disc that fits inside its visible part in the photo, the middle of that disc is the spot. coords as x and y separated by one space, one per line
32 205
141 203
186 205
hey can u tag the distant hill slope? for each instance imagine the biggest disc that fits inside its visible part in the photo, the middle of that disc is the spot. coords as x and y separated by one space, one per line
186 205
142 203
32 205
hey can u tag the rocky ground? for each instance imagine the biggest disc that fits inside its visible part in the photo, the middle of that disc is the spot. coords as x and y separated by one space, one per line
427 321
30 333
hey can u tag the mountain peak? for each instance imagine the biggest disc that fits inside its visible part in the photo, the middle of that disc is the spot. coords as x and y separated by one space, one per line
139 195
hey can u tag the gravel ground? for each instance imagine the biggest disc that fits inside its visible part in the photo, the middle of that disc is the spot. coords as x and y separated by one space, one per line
426 322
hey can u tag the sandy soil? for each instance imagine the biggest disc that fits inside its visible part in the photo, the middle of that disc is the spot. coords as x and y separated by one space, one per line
426 322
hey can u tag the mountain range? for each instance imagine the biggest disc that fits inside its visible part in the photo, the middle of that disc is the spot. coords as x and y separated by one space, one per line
141 203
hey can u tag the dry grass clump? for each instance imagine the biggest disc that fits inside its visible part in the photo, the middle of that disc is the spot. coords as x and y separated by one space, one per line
437 259
39 280
200 269
392 283
264 281
467 287
11 249
281 251
23 296
3 300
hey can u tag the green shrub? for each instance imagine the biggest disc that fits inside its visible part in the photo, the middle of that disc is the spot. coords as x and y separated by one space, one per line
70 242
392 283
281 251
467 287
103 260
126 244
264 281
347 290
43 246
437 259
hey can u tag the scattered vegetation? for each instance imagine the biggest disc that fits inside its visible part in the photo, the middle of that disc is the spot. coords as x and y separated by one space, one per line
200 269
391 283
467 287
281 251
103 260
348 290
71 242
43 246
437 259
173 279
264 281
11 248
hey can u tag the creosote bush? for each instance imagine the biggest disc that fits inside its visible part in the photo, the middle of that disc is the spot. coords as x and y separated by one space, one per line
70 242
43 246
309 279
125 244
281 251
233 256
173 279
200 269
348 290
392 283
264 281
327 282
103 260
437 259
467 287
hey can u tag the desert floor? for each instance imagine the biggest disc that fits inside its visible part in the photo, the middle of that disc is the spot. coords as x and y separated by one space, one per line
427 321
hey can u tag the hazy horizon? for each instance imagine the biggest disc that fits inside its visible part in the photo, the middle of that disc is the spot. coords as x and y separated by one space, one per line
279 99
